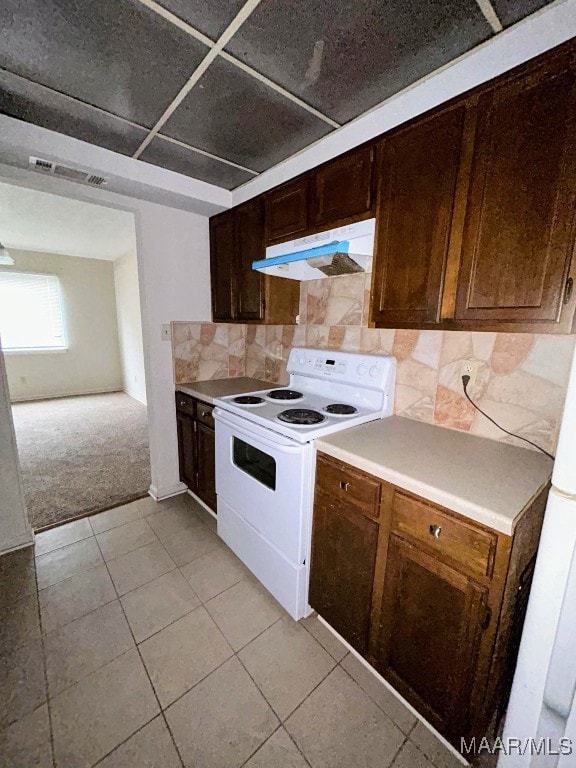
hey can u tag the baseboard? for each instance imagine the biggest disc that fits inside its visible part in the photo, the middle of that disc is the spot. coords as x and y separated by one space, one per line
203 504
134 397
166 493
393 691
61 395
25 540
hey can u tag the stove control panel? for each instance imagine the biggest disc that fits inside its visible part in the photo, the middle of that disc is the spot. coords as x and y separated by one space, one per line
371 371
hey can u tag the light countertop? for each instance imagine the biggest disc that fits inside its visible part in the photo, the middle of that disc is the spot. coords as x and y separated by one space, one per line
208 390
484 480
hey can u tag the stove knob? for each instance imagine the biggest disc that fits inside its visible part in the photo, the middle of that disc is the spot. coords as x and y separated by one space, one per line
374 372
302 361
361 370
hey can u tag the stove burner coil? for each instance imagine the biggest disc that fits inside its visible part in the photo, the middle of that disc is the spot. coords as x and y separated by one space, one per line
301 416
285 394
341 409
248 400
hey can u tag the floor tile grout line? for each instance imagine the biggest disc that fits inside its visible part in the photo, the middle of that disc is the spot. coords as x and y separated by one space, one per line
45 669
161 711
259 747
388 717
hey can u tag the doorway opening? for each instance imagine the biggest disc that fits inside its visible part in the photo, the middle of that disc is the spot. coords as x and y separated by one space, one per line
71 336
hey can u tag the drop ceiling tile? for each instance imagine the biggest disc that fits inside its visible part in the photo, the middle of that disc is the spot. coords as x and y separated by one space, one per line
511 11
115 54
232 115
345 57
31 102
176 158
210 18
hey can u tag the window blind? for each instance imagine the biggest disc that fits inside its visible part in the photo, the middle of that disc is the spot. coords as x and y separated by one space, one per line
30 312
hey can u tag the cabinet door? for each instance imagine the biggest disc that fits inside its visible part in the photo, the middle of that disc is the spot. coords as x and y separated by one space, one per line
286 210
222 266
418 169
187 450
518 231
206 465
249 223
344 545
343 187
429 635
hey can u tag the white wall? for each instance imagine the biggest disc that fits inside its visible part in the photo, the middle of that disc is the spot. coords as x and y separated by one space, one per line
174 274
130 325
15 530
92 361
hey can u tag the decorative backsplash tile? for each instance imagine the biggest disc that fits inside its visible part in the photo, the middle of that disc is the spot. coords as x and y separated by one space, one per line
521 381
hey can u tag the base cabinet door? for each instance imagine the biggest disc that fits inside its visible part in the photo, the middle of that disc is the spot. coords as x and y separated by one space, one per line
344 544
431 622
187 449
207 465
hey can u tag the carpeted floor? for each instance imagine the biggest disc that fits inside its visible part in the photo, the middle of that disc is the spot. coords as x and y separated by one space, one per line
81 455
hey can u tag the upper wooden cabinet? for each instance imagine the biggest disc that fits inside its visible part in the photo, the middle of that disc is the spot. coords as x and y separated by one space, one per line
342 188
287 210
415 201
249 230
518 233
222 266
476 209
239 293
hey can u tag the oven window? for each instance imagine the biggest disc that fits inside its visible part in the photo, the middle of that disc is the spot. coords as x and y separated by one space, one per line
255 463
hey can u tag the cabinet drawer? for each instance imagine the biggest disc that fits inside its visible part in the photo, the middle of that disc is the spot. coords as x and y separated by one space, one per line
471 549
204 414
353 488
185 404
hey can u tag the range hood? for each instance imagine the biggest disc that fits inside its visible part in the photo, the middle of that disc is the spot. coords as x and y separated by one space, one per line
341 251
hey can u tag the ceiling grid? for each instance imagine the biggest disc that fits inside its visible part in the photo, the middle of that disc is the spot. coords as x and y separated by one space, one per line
264 81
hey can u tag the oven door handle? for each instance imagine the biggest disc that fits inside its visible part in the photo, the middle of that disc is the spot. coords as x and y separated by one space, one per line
242 431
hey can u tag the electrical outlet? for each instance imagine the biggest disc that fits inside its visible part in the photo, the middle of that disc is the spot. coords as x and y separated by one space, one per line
166 332
470 368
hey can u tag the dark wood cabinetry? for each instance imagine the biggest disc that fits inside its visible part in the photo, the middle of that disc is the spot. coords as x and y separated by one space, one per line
518 232
343 188
196 447
476 208
223 267
434 601
417 170
287 210
344 556
239 293
431 624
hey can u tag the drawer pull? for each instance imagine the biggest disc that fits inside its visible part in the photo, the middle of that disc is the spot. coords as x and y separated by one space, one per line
435 530
207 414
344 485
182 403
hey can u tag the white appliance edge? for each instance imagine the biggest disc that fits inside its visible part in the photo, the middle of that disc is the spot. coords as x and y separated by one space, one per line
542 702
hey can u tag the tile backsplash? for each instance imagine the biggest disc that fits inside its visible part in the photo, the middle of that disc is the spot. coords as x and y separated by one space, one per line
521 382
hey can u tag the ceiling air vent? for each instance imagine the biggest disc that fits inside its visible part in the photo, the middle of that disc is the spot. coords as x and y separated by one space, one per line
65 172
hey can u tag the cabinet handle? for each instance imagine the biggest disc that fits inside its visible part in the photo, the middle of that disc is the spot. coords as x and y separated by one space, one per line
435 530
207 414
182 403
344 485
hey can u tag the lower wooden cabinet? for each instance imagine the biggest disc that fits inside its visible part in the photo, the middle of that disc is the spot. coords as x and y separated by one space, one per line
433 601
344 559
196 447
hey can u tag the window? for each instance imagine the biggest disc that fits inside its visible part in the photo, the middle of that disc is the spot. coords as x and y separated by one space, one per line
30 312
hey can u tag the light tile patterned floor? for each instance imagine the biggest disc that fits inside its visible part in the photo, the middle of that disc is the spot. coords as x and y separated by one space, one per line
136 638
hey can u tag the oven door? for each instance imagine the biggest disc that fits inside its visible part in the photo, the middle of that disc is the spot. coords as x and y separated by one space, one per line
267 480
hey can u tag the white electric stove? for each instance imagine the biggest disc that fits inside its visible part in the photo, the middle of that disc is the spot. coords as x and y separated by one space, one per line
265 459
